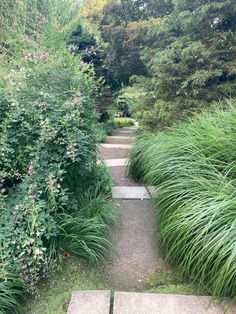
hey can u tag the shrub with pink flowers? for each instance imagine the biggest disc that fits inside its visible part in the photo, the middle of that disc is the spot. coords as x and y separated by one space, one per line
48 162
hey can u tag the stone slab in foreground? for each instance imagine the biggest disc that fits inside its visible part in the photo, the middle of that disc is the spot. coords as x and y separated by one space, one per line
130 193
90 302
147 303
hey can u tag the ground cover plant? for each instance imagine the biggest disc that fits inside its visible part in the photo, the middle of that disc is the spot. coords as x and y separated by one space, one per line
193 167
48 169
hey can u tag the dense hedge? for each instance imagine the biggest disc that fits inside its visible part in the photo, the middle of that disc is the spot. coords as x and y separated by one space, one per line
193 167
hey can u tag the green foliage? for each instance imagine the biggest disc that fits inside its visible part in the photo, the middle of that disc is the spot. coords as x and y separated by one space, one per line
193 167
190 61
180 53
105 129
123 51
12 290
123 122
48 147
86 231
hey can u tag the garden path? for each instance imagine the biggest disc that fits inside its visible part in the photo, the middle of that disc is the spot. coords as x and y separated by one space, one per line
137 256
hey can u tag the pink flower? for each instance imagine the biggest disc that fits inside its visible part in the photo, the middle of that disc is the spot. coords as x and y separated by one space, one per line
30 170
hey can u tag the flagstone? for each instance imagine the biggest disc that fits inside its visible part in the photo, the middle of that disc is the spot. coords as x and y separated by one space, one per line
148 303
130 192
90 302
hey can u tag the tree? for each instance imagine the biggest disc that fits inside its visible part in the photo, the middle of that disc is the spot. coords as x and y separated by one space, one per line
190 58
123 27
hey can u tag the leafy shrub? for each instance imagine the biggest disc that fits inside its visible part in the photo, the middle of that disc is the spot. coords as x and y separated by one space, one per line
101 134
123 122
47 149
194 168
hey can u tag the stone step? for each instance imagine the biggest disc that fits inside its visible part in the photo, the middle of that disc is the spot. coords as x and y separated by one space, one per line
130 192
125 132
90 302
119 140
113 153
148 303
116 162
123 146
119 137
129 128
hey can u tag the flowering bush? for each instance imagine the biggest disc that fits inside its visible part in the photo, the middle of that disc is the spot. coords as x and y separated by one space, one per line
47 154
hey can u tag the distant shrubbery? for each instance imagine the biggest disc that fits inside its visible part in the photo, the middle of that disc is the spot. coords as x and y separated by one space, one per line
123 122
193 167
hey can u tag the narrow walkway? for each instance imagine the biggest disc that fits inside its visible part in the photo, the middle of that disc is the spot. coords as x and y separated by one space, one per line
137 256
135 242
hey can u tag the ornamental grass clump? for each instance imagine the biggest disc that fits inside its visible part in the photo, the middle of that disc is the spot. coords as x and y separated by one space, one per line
194 167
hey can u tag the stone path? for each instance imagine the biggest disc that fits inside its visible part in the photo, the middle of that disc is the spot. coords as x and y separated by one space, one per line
137 255
135 242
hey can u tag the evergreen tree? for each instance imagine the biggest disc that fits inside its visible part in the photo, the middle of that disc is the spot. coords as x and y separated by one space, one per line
191 58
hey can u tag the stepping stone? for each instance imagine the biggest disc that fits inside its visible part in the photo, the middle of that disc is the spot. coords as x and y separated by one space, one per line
130 192
116 162
126 146
114 153
117 137
90 302
147 303
126 131
129 128
119 140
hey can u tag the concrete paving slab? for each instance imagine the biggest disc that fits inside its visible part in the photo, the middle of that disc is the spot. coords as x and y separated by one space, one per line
125 132
137 255
147 303
130 192
119 140
114 153
90 302
120 176
119 137
129 128
116 162
124 146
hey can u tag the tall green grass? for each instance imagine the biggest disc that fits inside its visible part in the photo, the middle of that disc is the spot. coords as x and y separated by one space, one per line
12 291
194 167
87 231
